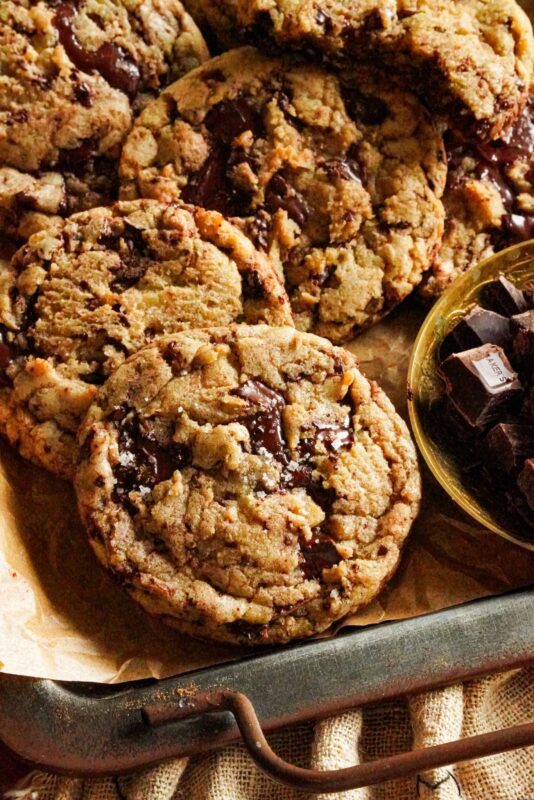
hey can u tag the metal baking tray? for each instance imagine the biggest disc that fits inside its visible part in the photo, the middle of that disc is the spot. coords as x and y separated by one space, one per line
88 729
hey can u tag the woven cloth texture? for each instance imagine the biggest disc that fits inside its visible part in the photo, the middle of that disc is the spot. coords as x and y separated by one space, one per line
440 716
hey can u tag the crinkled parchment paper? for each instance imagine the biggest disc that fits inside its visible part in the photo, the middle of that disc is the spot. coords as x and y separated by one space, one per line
62 617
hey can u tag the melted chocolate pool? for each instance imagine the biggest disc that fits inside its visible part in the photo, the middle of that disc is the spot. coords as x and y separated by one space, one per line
212 187
109 60
143 460
493 160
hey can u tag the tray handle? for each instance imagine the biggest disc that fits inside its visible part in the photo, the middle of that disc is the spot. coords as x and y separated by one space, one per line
369 774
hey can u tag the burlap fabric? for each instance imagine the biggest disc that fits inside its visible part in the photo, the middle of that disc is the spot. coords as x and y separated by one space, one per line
440 716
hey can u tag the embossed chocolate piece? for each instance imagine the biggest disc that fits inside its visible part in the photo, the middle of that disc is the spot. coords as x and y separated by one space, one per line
480 383
486 418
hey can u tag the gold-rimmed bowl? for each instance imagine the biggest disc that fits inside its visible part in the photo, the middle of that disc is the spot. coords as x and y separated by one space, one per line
425 388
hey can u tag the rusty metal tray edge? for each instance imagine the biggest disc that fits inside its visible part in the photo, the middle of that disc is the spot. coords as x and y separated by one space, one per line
83 729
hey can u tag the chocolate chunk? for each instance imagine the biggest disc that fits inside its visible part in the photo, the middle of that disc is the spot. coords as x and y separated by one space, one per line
287 107
213 76
96 378
480 383
517 143
75 159
143 460
318 553
323 19
211 187
30 314
507 445
300 475
175 359
130 271
333 435
503 297
259 230
522 326
267 436
479 326
494 173
82 95
519 227
134 253
208 188
109 60
118 413
265 426
525 482
364 108
323 278
230 118
280 194
252 286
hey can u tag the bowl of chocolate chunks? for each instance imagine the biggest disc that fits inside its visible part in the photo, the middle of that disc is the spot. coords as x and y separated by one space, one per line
471 393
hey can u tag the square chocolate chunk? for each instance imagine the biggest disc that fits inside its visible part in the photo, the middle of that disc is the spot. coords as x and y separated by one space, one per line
480 383
507 445
522 327
504 298
479 326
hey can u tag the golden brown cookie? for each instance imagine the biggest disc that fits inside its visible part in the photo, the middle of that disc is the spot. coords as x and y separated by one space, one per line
75 303
470 59
336 178
72 74
246 484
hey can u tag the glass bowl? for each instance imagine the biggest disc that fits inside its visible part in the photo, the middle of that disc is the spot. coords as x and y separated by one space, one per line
425 387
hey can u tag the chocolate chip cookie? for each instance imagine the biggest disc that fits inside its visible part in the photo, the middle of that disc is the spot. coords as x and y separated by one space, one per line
246 484
489 200
471 60
336 178
72 73
76 302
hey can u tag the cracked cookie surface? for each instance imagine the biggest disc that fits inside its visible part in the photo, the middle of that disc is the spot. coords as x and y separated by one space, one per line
472 60
246 484
489 201
75 303
72 74
338 180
